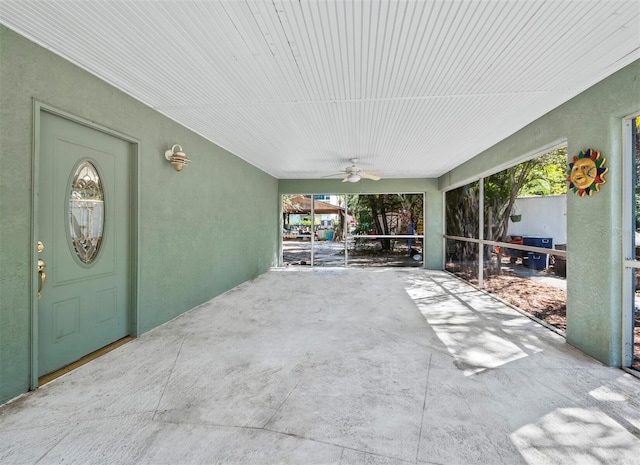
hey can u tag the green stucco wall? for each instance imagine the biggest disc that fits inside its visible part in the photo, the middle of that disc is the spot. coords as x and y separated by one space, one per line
593 119
201 231
433 250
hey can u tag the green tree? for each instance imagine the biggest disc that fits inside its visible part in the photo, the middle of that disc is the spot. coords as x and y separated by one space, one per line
544 175
548 175
462 220
373 212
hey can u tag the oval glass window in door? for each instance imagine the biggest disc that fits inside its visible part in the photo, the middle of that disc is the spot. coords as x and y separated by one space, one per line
86 212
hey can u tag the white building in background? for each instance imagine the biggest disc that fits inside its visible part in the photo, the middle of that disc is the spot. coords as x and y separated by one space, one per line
542 216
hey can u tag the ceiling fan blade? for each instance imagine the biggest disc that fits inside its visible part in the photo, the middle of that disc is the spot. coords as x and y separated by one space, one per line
369 175
345 179
332 175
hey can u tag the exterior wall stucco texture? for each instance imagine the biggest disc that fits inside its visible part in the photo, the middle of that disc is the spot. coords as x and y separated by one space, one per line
201 231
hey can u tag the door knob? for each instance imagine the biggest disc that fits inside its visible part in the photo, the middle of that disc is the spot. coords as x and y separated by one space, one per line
41 267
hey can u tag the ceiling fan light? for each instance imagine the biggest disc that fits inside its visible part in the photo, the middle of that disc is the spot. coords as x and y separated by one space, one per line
355 177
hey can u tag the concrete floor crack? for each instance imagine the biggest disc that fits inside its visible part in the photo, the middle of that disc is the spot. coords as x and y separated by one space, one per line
424 405
281 404
164 388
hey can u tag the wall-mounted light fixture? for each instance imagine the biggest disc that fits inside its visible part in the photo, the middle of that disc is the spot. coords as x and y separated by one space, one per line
177 157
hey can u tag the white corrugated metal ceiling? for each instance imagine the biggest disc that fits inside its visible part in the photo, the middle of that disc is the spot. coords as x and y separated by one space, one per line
297 87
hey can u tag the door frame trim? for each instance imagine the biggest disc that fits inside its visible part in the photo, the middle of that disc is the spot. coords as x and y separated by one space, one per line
40 107
630 264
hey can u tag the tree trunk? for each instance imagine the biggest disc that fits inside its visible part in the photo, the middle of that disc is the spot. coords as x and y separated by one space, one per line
339 232
378 211
384 243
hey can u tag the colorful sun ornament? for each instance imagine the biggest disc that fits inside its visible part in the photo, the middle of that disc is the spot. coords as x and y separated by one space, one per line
586 172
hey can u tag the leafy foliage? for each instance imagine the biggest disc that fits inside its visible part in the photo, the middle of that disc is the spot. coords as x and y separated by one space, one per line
544 175
376 213
548 175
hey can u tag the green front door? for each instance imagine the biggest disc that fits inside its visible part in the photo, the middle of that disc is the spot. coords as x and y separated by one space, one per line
83 226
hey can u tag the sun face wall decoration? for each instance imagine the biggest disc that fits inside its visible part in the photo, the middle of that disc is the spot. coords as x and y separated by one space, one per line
586 172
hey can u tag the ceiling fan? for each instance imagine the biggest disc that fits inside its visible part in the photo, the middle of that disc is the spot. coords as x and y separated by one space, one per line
354 174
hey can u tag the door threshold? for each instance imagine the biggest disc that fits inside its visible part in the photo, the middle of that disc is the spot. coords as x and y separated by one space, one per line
44 379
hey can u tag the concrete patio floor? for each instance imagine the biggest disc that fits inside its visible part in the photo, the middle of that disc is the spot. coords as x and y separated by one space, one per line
335 366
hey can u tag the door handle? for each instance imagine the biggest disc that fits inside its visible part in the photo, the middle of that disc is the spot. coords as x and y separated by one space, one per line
41 267
43 276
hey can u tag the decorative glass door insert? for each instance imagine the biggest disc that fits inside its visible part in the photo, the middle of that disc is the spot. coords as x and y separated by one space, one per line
86 212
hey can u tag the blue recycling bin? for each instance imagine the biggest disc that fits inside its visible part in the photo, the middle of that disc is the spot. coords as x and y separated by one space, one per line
536 260
329 235
546 242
